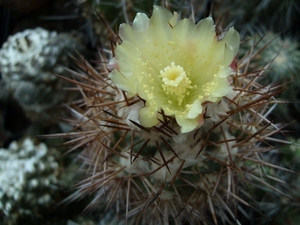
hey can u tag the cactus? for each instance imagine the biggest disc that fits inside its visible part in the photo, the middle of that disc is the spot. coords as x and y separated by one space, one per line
285 210
153 158
28 60
29 180
279 57
251 16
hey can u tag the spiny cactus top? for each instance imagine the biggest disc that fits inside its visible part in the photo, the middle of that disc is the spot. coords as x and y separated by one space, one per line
174 66
168 132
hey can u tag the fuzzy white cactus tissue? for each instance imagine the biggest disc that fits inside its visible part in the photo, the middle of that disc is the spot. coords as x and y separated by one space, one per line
28 61
28 176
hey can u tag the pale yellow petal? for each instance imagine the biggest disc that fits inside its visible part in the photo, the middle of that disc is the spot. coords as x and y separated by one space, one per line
160 15
222 88
122 82
186 125
148 117
206 31
194 110
126 56
140 22
232 42
173 21
125 32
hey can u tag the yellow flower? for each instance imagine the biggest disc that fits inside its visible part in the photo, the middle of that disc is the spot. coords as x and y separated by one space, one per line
174 65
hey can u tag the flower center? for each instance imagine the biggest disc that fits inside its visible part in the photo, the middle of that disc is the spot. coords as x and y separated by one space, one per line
175 82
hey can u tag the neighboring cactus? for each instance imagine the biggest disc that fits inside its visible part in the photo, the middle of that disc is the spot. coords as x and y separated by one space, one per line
286 208
282 54
280 59
29 177
250 16
173 127
28 61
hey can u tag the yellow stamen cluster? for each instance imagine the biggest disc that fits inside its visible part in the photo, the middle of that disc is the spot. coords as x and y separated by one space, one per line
175 82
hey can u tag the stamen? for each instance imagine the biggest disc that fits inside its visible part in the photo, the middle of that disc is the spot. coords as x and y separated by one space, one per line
175 81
